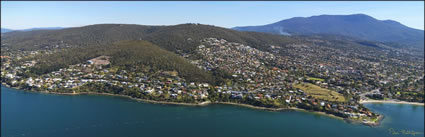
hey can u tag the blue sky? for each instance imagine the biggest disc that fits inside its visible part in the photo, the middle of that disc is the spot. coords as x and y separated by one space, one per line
22 15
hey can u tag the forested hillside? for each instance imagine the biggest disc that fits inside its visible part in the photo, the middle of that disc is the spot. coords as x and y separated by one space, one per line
128 55
183 37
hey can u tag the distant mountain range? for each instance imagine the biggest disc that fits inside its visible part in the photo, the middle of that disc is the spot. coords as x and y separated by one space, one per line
358 26
4 30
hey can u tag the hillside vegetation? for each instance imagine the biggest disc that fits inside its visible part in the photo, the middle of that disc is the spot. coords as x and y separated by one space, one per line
128 55
178 38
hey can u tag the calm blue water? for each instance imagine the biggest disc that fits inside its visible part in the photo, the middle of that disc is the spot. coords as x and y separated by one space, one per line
37 114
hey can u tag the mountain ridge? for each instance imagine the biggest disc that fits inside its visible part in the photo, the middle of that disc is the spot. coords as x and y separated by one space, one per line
183 37
356 25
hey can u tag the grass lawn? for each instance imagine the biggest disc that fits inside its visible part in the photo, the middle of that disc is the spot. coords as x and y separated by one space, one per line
320 93
313 78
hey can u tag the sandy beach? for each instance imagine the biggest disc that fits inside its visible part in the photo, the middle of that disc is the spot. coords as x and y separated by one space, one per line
390 101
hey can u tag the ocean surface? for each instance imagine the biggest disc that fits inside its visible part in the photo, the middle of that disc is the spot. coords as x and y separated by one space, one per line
38 114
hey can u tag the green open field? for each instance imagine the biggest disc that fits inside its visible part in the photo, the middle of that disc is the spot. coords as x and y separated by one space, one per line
313 78
320 93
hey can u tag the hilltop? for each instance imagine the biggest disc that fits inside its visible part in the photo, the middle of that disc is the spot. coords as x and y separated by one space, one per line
183 38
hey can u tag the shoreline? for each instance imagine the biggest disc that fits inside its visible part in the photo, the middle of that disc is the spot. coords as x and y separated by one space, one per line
390 102
225 103
204 104
281 109
185 104
377 123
